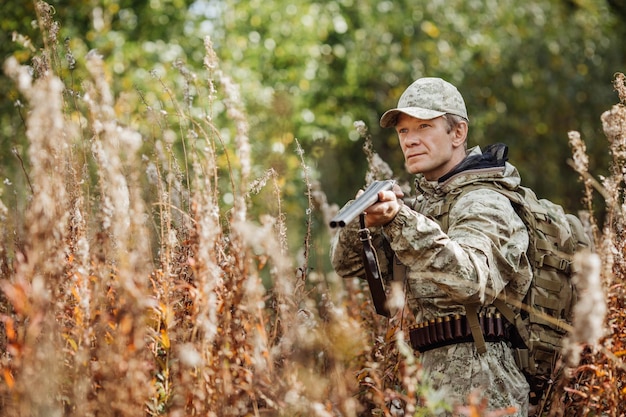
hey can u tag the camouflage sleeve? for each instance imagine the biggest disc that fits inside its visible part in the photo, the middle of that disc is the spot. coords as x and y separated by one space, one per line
346 247
484 249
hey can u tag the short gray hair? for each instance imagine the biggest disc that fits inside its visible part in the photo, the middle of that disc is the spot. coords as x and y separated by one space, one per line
453 120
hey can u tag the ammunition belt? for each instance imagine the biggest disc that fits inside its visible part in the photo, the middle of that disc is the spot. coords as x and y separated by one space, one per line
449 330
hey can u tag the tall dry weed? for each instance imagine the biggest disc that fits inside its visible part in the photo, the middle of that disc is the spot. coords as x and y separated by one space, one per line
38 281
135 289
595 382
131 285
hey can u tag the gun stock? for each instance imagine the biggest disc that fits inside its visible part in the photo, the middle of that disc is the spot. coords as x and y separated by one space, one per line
369 197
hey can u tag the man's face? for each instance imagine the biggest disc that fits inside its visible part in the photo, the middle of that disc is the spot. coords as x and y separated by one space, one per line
428 147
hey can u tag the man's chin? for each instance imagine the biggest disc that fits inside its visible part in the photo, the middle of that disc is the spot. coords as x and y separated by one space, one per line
413 168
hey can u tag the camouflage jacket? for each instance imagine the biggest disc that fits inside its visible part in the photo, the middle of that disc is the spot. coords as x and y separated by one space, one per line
482 254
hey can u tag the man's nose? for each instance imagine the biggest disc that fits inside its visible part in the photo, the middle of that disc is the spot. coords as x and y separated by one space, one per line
411 139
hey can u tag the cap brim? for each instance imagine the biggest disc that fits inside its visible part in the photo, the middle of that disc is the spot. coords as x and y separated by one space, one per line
390 117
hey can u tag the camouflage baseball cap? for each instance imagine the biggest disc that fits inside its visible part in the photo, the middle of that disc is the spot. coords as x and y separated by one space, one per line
427 98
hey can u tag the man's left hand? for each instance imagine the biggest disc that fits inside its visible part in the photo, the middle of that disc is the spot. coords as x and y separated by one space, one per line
385 209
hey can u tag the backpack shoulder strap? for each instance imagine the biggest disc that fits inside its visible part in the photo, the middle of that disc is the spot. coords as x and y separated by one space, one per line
471 314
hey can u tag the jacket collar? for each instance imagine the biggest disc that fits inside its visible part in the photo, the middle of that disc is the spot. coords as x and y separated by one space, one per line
488 165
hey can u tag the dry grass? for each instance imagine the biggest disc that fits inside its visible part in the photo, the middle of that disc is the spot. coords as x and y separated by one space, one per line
129 288
597 385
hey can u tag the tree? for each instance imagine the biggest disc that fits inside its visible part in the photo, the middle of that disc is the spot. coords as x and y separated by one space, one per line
529 72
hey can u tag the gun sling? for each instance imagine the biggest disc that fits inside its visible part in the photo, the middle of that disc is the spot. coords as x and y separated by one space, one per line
372 270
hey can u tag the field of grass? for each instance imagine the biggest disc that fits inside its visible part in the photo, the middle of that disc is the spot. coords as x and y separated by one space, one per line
129 288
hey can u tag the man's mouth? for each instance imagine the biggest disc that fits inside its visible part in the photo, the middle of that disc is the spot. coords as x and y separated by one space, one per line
415 155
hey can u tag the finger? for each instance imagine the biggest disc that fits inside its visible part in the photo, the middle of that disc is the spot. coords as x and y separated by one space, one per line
387 196
398 191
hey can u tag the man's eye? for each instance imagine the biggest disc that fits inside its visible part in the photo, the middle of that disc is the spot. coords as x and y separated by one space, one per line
424 125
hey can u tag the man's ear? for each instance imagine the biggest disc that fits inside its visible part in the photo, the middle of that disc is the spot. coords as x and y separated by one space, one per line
460 134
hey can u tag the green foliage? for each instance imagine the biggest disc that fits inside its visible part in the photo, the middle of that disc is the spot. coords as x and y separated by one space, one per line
530 71
135 276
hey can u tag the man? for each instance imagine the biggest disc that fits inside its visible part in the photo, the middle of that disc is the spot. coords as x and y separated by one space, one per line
478 254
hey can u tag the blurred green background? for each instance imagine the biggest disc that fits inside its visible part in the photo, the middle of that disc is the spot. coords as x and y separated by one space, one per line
529 71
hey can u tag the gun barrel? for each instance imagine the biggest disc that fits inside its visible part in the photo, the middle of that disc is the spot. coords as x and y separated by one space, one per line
358 206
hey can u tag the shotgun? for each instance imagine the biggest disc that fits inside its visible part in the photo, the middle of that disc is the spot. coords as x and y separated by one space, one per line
358 206
370 259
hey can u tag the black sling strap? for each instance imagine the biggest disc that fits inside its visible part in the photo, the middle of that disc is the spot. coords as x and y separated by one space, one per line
372 270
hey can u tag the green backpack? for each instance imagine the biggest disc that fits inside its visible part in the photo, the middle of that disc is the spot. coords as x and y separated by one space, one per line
546 313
